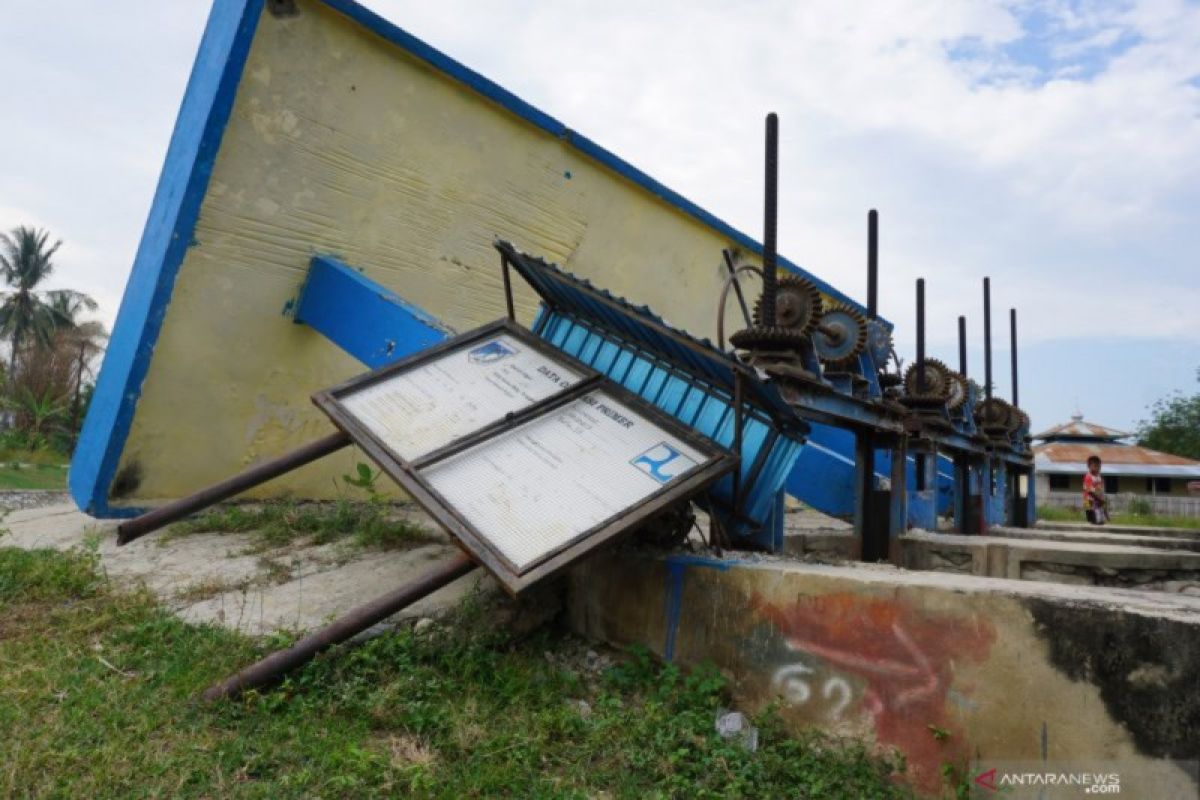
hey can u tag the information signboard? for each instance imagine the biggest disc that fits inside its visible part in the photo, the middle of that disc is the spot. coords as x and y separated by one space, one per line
526 456
417 411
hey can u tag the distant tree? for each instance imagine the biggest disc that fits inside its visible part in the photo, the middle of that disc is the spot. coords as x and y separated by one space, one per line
46 385
79 341
1174 425
28 316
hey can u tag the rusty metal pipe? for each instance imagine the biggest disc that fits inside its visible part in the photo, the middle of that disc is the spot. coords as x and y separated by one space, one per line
872 263
962 346
920 334
1012 322
280 662
770 220
178 509
987 337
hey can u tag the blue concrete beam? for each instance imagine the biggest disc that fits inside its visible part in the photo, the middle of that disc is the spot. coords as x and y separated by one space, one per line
366 320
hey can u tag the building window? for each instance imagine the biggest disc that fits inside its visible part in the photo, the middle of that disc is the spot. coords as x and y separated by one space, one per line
1158 485
1060 481
1112 484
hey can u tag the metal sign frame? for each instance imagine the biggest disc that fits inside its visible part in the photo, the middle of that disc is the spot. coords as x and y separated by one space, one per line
408 474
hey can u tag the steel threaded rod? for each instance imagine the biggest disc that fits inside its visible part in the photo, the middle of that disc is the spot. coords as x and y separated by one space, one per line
770 220
987 337
920 334
872 263
1012 324
962 346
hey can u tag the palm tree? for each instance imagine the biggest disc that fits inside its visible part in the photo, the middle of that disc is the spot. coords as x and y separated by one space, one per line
84 340
67 305
26 315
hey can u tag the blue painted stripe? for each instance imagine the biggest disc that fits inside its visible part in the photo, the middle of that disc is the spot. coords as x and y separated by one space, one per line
199 127
674 607
677 565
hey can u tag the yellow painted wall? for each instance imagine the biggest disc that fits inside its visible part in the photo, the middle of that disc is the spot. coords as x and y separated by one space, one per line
341 143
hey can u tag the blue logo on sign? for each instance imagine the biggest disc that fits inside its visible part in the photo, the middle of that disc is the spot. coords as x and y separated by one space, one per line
492 351
663 463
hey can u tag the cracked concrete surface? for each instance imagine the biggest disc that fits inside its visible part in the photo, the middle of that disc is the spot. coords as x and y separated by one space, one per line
227 579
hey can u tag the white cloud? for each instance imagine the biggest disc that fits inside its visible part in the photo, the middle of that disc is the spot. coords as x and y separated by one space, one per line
1052 145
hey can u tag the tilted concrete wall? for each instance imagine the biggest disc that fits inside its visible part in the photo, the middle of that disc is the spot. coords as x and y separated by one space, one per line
1011 670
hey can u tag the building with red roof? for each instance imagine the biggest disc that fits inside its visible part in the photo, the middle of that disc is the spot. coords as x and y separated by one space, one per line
1060 459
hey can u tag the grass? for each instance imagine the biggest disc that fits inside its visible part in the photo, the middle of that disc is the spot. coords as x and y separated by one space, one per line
368 523
26 475
97 693
43 456
1054 514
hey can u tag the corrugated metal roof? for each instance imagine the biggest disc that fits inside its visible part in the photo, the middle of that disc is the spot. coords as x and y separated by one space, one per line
1078 427
1119 459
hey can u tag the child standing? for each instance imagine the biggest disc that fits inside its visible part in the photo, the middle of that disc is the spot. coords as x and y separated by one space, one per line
1094 504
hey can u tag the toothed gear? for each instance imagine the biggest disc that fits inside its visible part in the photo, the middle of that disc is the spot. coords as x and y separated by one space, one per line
958 391
762 337
797 304
994 413
937 381
848 327
879 342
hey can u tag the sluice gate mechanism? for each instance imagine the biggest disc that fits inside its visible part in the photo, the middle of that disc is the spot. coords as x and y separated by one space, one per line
578 417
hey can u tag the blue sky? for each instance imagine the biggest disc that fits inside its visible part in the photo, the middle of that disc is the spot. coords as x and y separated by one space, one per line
1054 146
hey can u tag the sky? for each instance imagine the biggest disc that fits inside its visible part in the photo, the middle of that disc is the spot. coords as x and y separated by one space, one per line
1053 146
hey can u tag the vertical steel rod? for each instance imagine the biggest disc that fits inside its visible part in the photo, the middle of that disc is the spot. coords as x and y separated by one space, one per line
770 220
921 334
1012 325
873 263
962 346
737 443
987 337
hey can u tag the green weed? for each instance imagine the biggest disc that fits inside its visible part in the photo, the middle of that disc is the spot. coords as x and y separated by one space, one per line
279 523
97 696
1055 514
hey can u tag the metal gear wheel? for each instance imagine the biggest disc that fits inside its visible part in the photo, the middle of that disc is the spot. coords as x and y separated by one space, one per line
797 304
937 381
958 391
772 339
994 413
840 335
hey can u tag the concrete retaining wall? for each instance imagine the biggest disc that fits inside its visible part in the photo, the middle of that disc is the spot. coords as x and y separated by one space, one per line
948 669
1165 567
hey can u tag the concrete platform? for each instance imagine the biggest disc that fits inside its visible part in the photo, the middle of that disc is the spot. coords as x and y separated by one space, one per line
1088 563
221 578
1100 535
948 669
1137 530
813 536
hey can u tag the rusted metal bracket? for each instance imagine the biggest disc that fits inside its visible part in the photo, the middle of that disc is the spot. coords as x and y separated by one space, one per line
275 665
177 510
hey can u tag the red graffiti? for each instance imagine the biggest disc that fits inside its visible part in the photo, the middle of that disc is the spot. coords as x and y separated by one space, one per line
904 656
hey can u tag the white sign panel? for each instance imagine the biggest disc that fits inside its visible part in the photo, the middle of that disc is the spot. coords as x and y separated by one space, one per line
420 410
538 487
